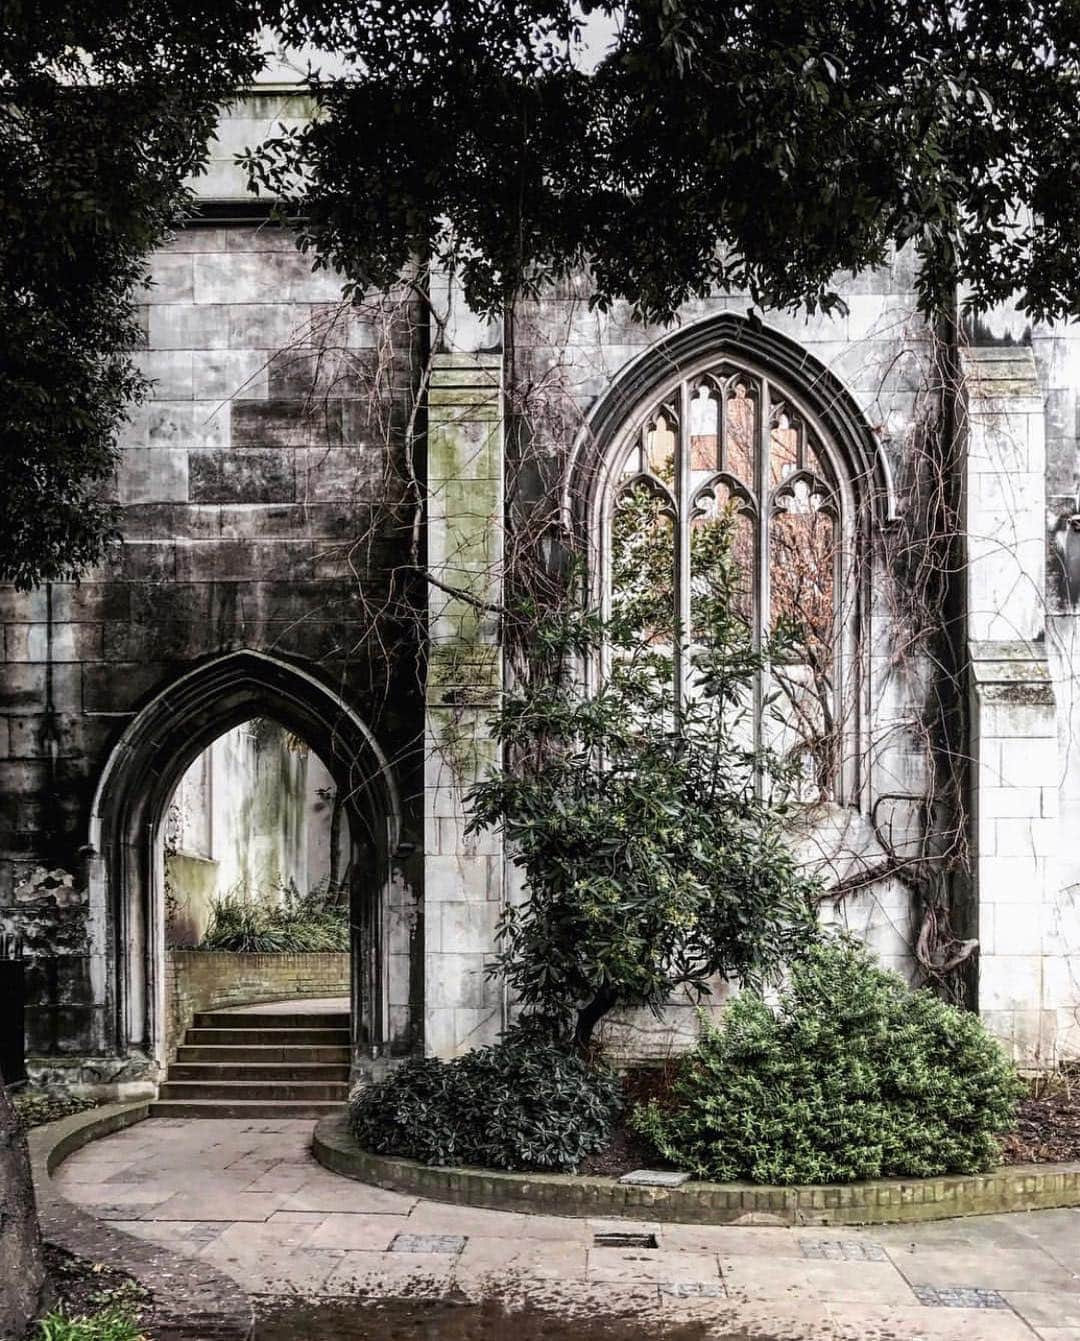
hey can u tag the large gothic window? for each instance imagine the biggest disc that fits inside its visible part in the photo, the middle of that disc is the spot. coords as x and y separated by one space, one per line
727 517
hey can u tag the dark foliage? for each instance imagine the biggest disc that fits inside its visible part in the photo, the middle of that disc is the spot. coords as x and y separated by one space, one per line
756 146
284 922
651 838
105 110
524 1103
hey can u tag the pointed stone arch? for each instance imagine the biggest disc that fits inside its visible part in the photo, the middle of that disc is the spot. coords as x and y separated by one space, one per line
776 356
126 882
860 472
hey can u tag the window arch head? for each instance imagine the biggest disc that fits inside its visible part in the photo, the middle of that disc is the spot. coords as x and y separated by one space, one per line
725 504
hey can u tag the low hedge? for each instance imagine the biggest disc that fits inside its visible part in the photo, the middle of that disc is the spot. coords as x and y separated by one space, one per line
849 1075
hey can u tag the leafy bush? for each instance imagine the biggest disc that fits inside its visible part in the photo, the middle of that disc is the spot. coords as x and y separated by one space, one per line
524 1103
299 922
111 1324
654 857
851 1075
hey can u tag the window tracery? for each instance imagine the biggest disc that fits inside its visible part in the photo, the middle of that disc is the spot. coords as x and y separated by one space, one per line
727 511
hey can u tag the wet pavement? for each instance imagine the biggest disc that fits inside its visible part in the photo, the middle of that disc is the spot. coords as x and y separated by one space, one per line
327 1257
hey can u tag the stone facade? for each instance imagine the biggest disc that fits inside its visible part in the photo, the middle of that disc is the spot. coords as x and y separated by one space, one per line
249 481
271 488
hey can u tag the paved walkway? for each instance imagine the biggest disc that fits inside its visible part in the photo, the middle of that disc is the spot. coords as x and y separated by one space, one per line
248 1197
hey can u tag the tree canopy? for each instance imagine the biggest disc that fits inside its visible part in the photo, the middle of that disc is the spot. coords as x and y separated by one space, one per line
105 110
755 147
759 147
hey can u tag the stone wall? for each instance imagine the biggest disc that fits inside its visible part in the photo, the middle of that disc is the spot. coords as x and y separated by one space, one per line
258 484
198 980
263 489
882 352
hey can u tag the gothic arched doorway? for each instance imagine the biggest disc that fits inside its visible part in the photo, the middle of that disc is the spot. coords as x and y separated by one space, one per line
127 887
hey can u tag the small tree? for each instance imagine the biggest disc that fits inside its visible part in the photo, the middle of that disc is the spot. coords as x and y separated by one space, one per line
650 831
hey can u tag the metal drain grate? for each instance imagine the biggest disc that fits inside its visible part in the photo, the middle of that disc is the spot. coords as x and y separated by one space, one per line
958 1296
625 1240
427 1243
842 1250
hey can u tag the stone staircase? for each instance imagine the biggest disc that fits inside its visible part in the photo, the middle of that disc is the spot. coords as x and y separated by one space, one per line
237 1064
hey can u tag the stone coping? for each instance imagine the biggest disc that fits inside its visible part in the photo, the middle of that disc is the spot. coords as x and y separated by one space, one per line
193 1300
1019 1187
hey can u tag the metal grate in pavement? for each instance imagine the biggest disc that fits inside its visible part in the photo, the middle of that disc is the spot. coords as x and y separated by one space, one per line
842 1250
427 1243
958 1296
625 1239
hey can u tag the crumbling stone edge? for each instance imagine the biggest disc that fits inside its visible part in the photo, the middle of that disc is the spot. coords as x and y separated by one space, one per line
193 1300
1020 1187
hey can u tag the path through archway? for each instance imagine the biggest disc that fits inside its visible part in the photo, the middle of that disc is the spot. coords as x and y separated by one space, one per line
127 878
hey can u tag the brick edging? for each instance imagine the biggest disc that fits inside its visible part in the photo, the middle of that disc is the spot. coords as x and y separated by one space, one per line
193 1300
1020 1187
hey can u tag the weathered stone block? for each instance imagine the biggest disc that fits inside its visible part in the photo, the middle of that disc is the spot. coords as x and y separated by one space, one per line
341 475
22 689
121 686
187 326
248 475
144 561
173 602
171 372
185 424
229 374
287 423
269 326
58 642
153 474
277 521
261 277
171 278
314 375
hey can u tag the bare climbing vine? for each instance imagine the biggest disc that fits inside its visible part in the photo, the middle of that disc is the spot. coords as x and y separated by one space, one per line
905 712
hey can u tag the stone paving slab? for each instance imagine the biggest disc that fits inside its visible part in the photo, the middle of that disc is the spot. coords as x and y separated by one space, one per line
358 1232
635 1266
772 1278
247 1198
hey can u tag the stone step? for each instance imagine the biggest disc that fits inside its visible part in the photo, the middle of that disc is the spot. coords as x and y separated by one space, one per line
240 1088
243 1108
294 1053
311 1037
232 1070
241 1019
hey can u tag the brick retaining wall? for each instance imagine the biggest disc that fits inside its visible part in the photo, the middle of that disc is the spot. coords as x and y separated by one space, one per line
197 980
1021 1187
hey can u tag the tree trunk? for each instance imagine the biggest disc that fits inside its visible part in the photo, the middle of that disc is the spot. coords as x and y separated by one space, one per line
590 1016
22 1269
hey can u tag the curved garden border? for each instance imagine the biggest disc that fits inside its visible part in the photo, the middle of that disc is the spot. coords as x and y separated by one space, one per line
1020 1187
194 1301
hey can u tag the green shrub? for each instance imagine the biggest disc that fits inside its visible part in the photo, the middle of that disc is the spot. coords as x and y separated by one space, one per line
851 1075
111 1324
524 1103
288 922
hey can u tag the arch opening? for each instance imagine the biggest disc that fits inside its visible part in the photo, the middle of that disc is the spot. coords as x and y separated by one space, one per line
158 753
256 846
